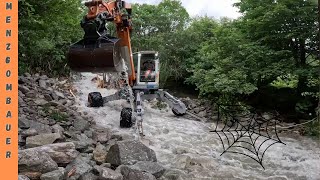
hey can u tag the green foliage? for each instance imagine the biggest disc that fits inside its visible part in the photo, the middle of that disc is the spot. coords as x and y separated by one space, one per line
160 27
46 29
285 81
313 129
58 116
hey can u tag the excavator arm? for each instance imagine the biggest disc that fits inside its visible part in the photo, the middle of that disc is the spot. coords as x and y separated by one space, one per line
98 51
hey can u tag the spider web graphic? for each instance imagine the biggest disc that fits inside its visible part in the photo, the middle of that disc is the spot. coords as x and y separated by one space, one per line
245 133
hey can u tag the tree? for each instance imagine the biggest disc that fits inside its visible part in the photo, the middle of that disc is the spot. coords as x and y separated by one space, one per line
46 29
159 28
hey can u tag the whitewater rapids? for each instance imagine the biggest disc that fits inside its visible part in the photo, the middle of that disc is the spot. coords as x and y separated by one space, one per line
187 145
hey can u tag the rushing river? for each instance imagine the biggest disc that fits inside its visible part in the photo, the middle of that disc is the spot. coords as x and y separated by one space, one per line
187 145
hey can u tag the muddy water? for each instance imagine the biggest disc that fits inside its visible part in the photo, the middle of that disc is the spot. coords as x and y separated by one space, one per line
188 146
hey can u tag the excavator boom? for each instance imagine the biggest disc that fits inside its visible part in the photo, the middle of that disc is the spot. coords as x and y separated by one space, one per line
98 51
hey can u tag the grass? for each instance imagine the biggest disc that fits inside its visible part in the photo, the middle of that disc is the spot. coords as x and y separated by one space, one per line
58 116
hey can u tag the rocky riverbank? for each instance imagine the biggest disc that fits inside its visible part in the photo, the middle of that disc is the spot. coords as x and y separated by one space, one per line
57 142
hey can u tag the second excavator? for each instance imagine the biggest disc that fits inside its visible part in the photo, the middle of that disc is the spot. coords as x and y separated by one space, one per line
99 52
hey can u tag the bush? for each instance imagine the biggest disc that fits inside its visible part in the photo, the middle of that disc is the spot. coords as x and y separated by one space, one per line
46 29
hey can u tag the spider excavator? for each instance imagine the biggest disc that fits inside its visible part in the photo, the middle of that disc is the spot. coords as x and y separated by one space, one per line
100 52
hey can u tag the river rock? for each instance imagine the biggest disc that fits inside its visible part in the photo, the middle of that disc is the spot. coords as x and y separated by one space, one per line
81 124
42 139
109 174
53 175
23 122
57 129
35 161
58 95
39 127
23 177
23 89
42 83
48 97
101 134
89 176
100 153
62 153
21 140
134 174
32 175
80 166
129 152
29 132
153 168
202 114
173 174
182 161
196 110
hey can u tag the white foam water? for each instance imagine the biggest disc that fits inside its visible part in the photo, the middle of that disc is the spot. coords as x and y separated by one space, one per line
187 145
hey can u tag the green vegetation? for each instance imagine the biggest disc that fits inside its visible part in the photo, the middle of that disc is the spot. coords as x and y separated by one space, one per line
266 58
46 29
58 116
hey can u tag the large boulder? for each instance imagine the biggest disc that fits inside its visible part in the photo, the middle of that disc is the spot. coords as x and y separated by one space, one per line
134 174
78 168
129 152
53 175
89 176
42 139
100 153
81 124
39 127
153 168
33 161
29 132
173 174
62 153
101 134
109 174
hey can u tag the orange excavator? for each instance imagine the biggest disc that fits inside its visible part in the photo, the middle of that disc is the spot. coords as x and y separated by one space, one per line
98 51
139 72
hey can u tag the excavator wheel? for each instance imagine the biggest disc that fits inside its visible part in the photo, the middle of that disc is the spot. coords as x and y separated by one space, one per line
176 113
95 99
126 118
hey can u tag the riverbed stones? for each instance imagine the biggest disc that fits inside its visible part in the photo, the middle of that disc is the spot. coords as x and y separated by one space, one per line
173 174
42 139
53 175
35 161
109 174
101 134
62 153
89 176
29 132
55 133
100 153
23 177
153 168
81 124
57 129
80 166
129 152
130 173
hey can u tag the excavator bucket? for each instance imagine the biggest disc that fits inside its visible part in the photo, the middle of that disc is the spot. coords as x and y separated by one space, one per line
95 55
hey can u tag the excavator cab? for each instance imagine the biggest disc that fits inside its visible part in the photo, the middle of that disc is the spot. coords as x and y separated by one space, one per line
147 70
